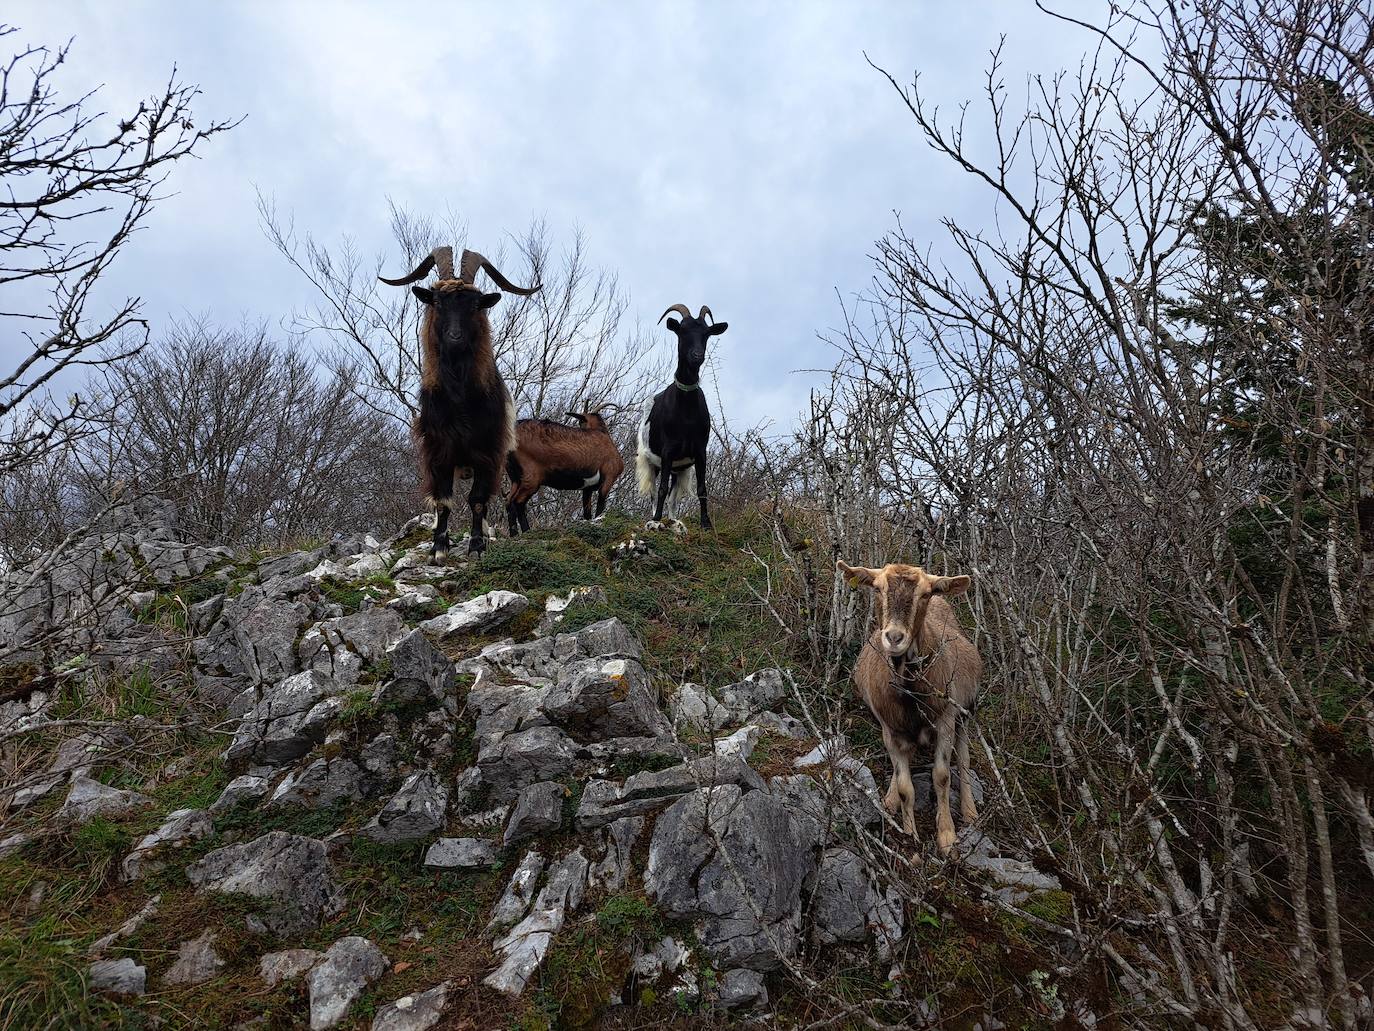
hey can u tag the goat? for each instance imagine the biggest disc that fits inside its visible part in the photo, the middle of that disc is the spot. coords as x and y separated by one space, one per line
918 673
550 454
466 418
676 423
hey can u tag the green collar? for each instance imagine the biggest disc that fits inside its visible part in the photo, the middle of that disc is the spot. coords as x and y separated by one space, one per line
686 386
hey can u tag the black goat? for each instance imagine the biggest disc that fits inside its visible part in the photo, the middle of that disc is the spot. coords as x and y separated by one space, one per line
676 426
467 418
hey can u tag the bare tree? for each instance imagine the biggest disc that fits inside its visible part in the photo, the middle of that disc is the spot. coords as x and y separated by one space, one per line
77 183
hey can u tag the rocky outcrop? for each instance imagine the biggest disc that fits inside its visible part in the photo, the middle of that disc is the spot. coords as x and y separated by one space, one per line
340 977
289 872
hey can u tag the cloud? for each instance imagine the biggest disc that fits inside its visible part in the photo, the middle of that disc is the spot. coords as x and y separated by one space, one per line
738 154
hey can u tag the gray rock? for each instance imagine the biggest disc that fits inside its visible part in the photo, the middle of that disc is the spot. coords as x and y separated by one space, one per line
378 756
740 744
323 783
14 843
696 710
117 976
254 638
196 961
204 613
477 615
525 945
608 637
414 1012
340 647
781 724
276 967
606 697
291 564
290 719
519 893
502 709
740 989
523 758
614 868
604 802
418 670
756 693
848 905
770 858
417 810
290 871
337 981
1017 876
461 853
539 662
538 810
89 799
181 827
75 757
246 789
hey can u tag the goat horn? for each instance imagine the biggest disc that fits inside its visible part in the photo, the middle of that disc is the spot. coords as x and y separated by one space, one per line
706 311
441 256
682 308
472 261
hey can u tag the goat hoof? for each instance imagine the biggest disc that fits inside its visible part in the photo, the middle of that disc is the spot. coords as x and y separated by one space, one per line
477 545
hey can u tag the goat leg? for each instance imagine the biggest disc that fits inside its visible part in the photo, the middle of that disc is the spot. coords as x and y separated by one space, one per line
939 776
477 502
969 810
701 488
587 502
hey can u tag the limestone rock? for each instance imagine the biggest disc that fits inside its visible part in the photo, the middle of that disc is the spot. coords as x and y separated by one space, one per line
477 615
323 783
525 945
417 810
538 810
606 697
248 788
276 967
604 802
414 1012
614 867
770 858
461 853
849 906
289 870
117 976
740 989
196 961
336 982
419 670
289 720
89 799
556 607
519 893
758 692
523 758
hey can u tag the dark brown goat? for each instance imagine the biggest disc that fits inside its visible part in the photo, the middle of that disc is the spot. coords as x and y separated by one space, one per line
550 454
467 418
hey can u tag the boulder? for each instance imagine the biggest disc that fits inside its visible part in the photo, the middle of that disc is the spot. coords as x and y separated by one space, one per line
416 1012
461 854
248 789
604 697
196 961
89 799
523 758
340 647
538 810
848 906
614 867
539 662
418 670
477 615
770 857
289 871
501 709
323 783
695 710
740 989
337 980
291 718
417 810
758 692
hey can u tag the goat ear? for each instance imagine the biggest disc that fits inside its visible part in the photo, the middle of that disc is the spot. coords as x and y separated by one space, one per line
717 329
488 300
858 575
674 325
574 415
425 294
952 585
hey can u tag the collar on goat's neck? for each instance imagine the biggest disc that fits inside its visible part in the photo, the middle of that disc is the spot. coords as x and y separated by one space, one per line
686 387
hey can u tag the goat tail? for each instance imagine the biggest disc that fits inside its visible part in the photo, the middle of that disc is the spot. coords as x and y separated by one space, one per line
513 471
645 473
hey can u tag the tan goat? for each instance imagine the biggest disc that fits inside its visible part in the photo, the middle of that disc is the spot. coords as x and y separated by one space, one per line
919 673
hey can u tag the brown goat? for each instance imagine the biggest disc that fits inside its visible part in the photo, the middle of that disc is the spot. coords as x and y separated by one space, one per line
918 673
549 454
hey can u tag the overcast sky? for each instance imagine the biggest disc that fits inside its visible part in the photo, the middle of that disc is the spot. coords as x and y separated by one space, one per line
742 155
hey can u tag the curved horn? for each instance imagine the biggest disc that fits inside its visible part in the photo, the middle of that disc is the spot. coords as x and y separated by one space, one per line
472 261
706 311
681 308
440 256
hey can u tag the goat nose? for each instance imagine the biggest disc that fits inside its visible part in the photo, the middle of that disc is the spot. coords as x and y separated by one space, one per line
894 637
